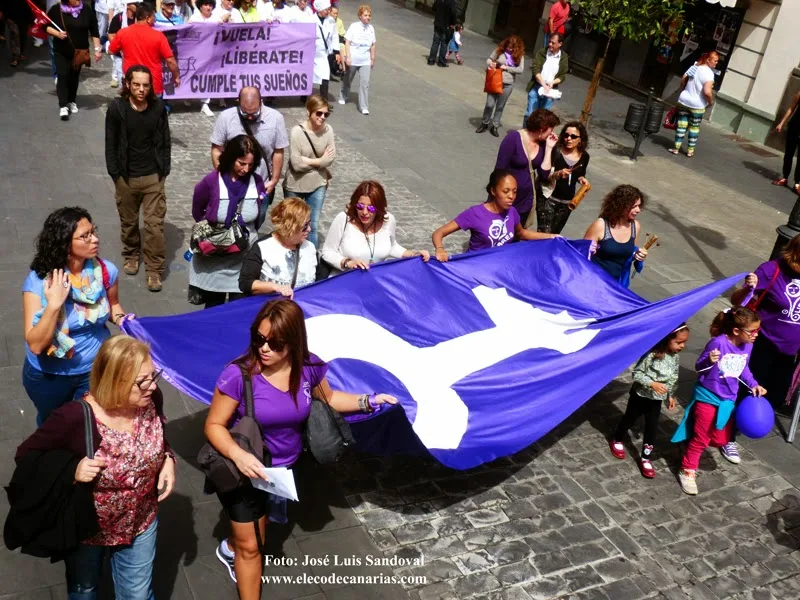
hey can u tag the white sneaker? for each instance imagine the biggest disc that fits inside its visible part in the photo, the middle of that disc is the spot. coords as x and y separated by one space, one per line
206 110
55 80
688 481
73 108
63 112
114 82
365 111
731 452
37 42
341 101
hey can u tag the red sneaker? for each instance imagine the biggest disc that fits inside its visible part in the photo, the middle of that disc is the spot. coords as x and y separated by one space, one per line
617 449
646 467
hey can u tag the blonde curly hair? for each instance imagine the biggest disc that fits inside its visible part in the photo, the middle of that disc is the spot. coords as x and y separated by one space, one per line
289 217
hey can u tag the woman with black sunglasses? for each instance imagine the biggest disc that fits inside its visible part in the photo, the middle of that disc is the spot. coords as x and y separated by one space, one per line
569 160
285 376
364 233
313 152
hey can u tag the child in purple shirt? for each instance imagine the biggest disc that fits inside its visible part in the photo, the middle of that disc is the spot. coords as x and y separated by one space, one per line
721 366
491 224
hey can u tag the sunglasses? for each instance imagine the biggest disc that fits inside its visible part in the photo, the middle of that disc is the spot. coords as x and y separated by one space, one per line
145 383
307 226
259 340
250 116
571 136
322 113
87 237
370 208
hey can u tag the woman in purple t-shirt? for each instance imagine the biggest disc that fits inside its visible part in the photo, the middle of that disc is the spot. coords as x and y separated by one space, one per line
494 223
285 376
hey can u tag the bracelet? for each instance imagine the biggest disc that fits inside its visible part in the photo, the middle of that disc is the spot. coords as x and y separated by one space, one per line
117 316
343 264
364 403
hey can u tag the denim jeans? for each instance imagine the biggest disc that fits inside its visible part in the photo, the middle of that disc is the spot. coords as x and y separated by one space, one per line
315 200
439 46
48 392
131 568
535 102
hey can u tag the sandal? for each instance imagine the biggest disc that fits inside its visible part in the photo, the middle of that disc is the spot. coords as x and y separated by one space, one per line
689 154
797 188
781 182
673 151
646 467
14 62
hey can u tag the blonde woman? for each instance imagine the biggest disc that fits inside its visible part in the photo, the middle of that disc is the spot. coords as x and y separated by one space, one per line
360 57
313 151
133 468
286 259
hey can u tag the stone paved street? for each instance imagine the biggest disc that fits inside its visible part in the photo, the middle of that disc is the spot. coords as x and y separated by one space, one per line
561 519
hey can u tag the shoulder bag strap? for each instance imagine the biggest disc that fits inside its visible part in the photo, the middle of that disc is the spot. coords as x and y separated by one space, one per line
322 33
88 421
296 265
771 283
308 137
528 156
247 383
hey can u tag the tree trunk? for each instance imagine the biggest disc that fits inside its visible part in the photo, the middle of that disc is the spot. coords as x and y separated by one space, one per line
586 113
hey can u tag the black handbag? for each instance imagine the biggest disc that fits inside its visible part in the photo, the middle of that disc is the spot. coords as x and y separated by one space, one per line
328 435
221 472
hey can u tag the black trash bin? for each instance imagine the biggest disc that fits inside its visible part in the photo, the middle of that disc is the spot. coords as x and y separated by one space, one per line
634 118
654 118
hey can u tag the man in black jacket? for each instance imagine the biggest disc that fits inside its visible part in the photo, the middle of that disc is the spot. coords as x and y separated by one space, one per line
138 160
443 21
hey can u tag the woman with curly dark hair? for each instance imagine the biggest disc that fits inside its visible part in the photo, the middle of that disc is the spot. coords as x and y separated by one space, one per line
509 57
616 232
67 298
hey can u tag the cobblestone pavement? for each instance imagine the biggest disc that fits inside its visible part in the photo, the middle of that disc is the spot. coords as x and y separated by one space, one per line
562 519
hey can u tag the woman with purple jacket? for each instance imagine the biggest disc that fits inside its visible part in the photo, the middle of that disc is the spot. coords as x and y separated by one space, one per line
527 154
234 191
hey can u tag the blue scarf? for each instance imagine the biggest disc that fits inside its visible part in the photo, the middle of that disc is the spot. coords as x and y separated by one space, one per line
724 411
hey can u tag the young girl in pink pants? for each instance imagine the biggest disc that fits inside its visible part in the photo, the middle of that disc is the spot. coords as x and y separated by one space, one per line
721 366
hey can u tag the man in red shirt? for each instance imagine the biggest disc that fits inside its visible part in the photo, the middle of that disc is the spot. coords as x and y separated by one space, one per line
559 14
140 44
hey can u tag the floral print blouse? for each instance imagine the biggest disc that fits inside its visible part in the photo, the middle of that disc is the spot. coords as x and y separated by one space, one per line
125 494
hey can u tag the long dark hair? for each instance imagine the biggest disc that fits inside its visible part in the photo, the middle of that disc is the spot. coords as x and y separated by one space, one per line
237 147
125 92
584 141
660 349
54 242
288 325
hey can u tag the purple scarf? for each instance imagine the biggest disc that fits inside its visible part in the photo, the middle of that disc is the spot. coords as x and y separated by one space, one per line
75 11
236 193
510 60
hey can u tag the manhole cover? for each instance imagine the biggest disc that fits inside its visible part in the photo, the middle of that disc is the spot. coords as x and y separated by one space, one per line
758 151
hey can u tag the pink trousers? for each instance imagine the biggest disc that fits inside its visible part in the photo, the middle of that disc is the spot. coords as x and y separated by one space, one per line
705 434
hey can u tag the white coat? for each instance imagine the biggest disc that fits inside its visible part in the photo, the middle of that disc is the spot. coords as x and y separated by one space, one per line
326 34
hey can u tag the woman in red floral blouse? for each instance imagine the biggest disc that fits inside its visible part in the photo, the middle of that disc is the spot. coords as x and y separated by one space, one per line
133 468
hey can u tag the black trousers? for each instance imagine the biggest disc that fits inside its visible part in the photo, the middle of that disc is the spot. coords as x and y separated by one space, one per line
219 298
323 88
441 37
792 144
68 79
638 407
551 215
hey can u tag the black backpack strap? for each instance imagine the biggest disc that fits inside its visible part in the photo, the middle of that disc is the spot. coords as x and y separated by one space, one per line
88 432
247 382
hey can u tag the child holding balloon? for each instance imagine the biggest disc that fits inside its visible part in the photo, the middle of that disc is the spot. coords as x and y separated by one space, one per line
720 367
655 378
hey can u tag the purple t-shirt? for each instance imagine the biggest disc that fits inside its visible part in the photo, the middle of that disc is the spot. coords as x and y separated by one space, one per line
723 376
779 311
281 420
488 229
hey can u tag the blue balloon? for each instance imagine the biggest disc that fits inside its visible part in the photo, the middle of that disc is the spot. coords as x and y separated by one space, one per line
755 417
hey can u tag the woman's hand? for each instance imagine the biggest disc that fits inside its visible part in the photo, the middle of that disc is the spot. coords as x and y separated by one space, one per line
426 256
551 141
248 464
659 388
672 403
97 56
759 391
352 263
441 255
385 399
89 468
62 35
583 181
562 173
57 288
779 127
714 356
640 255
503 67
166 478
225 17
751 280
284 290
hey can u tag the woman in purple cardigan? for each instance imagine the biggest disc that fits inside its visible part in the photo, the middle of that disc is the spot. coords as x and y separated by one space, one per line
234 191
528 151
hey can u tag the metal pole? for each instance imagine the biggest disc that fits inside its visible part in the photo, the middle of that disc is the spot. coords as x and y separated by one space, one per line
640 133
795 416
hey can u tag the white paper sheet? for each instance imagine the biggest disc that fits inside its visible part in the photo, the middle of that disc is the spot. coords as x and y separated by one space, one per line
279 481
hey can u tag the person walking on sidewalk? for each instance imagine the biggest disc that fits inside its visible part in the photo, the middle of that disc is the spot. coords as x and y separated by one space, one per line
455 44
570 161
360 58
509 57
557 20
695 97
123 19
138 155
550 67
71 49
444 19
792 118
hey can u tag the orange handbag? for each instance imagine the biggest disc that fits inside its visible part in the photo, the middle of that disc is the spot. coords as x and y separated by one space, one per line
494 81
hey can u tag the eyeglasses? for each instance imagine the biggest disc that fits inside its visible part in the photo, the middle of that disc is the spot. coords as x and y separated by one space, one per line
322 113
250 116
370 208
751 332
571 136
259 340
87 237
307 226
145 383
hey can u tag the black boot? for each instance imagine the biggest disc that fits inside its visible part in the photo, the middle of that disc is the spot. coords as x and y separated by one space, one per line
493 131
482 127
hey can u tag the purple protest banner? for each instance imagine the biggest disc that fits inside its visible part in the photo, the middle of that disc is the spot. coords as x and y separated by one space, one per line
218 60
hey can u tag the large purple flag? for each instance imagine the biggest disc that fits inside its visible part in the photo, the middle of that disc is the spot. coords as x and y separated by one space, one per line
486 353
218 60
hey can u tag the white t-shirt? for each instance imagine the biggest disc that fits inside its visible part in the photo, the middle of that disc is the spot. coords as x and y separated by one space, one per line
361 38
266 12
692 95
346 240
550 66
278 263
